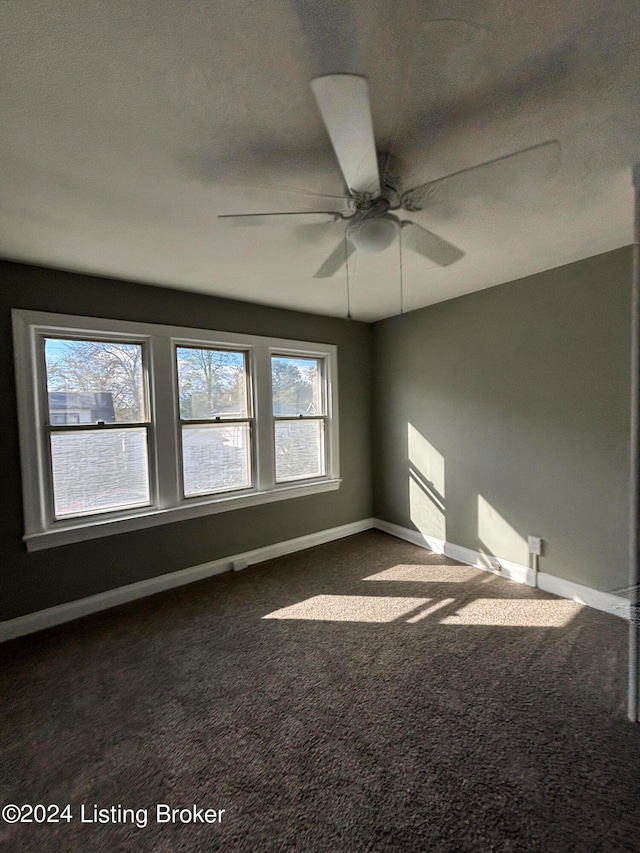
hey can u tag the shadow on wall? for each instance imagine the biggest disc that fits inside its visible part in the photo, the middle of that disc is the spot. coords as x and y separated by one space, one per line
427 507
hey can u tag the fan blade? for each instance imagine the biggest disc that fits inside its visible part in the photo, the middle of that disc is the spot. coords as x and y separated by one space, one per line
336 259
302 217
274 188
429 245
343 101
530 164
243 166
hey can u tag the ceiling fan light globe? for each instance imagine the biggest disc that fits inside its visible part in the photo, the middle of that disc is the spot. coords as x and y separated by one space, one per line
375 235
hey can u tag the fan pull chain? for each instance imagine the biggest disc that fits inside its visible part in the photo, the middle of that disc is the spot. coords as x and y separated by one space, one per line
401 281
346 261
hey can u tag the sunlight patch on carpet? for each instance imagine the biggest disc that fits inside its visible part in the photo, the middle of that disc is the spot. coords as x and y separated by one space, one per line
350 608
427 574
429 610
521 613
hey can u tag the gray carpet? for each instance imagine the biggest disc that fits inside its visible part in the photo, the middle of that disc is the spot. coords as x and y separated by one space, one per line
431 708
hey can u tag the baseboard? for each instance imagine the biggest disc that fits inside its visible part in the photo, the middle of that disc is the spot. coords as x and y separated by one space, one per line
508 569
431 543
617 605
605 601
112 598
38 621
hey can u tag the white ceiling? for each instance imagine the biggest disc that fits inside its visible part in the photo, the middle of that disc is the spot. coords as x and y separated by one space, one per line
127 127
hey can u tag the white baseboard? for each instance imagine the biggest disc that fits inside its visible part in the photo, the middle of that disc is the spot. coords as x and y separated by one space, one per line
431 543
617 605
111 598
608 602
513 571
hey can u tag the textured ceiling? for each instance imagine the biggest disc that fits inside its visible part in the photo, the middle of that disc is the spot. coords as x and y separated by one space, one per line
127 127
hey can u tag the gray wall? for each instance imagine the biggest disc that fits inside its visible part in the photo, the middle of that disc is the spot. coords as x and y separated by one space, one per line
517 397
518 394
30 582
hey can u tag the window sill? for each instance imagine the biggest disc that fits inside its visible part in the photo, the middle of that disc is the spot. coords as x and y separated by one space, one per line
68 533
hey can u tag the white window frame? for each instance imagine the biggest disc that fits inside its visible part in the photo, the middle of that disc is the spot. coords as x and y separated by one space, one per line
296 418
165 463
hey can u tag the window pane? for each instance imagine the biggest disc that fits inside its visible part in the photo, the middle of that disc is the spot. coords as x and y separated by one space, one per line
295 386
299 449
216 458
212 383
91 381
99 470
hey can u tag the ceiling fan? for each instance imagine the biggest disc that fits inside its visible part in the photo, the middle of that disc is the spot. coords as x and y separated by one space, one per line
343 101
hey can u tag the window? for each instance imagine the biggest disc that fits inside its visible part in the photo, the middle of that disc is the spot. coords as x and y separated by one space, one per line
129 425
299 413
97 429
215 420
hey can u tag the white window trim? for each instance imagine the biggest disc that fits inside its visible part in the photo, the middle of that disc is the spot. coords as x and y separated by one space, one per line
165 462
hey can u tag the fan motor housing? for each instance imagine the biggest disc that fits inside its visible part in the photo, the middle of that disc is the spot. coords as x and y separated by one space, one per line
374 234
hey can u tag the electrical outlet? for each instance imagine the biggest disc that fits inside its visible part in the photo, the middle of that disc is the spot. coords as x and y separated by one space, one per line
535 545
239 565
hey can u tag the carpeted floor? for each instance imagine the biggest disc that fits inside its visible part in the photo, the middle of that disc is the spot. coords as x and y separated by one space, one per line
432 707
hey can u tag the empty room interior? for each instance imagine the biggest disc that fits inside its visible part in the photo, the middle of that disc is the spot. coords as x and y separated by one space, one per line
320 434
